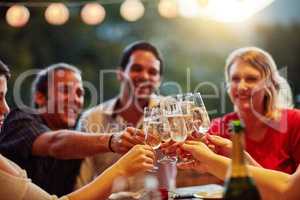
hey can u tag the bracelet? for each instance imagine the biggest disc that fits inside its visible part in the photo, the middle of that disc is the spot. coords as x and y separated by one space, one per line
109 143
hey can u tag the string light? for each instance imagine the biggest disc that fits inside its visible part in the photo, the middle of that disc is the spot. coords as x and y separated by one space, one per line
168 8
92 14
57 14
189 8
233 11
17 16
132 10
203 3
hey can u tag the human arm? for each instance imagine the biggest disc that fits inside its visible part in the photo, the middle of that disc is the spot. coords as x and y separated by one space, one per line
292 191
96 121
15 185
223 146
138 159
69 144
7 167
24 134
271 184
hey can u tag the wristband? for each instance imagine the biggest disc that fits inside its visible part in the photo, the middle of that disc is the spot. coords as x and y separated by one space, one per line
109 143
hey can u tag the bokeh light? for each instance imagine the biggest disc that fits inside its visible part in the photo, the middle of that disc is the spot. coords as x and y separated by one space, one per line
221 10
168 8
203 3
17 16
92 14
189 8
132 10
233 10
57 14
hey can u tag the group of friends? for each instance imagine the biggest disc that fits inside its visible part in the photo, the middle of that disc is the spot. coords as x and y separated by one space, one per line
46 152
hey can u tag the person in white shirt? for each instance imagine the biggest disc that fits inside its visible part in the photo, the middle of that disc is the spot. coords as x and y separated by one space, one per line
140 74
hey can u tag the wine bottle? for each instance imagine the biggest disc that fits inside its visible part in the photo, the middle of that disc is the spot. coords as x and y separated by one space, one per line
239 185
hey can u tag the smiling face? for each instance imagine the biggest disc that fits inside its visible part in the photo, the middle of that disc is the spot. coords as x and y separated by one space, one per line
4 109
246 85
142 74
65 99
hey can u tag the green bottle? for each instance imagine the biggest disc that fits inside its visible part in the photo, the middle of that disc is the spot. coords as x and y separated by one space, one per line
239 185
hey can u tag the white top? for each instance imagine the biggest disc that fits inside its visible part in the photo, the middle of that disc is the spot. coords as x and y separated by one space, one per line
21 188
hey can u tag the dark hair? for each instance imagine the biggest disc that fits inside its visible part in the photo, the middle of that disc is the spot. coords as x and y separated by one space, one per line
144 46
40 83
4 70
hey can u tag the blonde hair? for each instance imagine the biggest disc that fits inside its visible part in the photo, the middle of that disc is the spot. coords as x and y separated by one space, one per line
278 91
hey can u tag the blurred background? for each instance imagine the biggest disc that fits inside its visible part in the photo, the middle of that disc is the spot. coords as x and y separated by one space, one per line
194 41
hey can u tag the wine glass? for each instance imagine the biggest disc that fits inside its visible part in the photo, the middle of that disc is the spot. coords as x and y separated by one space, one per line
201 119
173 113
153 128
186 102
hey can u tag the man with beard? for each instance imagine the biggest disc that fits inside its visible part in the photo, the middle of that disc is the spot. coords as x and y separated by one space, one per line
140 74
39 140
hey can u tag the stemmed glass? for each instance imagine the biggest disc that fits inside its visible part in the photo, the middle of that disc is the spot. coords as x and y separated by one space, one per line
201 121
194 113
153 127
186 103
176 122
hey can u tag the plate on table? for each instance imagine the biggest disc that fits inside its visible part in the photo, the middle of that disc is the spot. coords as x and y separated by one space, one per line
218 194
209 192
125 196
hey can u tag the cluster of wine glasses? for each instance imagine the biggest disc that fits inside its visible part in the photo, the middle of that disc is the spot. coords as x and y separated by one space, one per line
175 118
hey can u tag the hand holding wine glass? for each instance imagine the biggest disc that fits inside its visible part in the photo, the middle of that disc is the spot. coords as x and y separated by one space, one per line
201 119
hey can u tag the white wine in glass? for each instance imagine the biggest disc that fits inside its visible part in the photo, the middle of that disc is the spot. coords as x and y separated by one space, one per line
186 104
177 127
153 134
173 112
166 130
201 119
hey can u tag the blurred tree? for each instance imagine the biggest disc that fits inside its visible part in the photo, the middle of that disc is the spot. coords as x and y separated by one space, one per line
282 41
194 50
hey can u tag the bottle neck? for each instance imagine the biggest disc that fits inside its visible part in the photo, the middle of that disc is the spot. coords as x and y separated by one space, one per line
238 165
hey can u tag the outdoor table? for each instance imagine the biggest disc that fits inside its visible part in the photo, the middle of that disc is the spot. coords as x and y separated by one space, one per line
206 191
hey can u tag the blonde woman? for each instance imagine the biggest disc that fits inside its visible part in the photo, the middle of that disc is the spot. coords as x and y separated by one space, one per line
262 100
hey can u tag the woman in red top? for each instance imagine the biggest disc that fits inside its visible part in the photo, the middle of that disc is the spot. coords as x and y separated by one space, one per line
262 100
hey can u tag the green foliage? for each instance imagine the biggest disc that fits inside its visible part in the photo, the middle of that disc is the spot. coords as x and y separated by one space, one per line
200 46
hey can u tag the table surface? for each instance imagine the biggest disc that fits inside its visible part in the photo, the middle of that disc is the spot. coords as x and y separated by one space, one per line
205 190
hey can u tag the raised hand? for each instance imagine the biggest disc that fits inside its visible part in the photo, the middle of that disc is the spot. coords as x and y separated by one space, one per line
170 148
124 141
199 150
221 145
139 159
193 165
